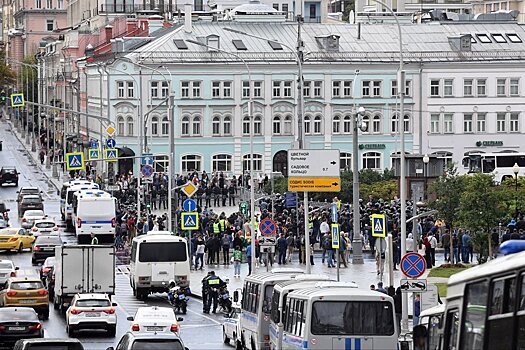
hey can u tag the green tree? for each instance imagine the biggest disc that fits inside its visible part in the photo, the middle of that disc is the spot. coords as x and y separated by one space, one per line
7 75
29 78
349 6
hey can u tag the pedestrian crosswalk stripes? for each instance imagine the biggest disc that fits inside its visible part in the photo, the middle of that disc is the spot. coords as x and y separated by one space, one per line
124 295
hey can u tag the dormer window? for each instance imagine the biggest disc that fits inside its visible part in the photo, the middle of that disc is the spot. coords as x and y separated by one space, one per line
328 42
213 41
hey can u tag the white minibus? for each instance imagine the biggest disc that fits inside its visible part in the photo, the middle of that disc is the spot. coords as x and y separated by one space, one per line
156 258
94 212
63 194
339 319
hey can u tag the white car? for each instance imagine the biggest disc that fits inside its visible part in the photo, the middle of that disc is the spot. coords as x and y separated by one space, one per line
7 269
231 327
91 311
44 227
155 319
30 216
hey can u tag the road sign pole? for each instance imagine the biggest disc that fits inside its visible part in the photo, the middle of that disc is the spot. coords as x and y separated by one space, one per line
307 235
391 259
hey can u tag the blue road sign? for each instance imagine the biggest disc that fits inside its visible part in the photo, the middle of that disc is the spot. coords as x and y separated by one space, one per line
267 227
190 221
413 265
93 144
111 143
335 236
189 205
147 171
111 154
147 159
75 161
93 154
333 210
17 100
290 199
378 225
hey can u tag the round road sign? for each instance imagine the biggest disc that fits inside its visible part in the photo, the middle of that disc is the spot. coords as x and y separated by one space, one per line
413 265
147 170
267 227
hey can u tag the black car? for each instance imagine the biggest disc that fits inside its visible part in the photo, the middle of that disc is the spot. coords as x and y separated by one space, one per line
26 190
147 341
48 344
30 202
9 175
44 247
19 323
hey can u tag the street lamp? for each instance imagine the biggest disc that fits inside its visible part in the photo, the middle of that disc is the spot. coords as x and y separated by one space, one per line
516 170
357 245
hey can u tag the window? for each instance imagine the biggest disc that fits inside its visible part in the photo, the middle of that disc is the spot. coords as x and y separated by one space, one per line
347 124
408 90
435 123
499 38
513 38
257 125
227 126
371 88
287 91
306 88
257 162
448 89
336 124
288 125
121 93
190 163
448 123
38 4
50 25
276 6
49 4
467 87
500 122
347 88
318 88
154 93
180 44
514 87
475 308
246 126
451 332
275 45
481 121
246 89
120 126
282 89
406 123
227 89
221 162
196 89
165 127
483 38
372 160
482 87
185 126
468 123
317 125
239 45
501 88
130 89
196 126
500 321
215 89
285 9
130 126
257 89
514 122
336 88
161 164
345 161
185 89
276 125
395 121
276 90
434 88
376 124
159 89
221 89
154 126
216 126
307 125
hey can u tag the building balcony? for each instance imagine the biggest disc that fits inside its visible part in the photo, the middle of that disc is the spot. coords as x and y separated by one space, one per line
134 8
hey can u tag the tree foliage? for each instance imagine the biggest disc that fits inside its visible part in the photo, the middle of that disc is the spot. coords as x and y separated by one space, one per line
448 189
29 78
350 5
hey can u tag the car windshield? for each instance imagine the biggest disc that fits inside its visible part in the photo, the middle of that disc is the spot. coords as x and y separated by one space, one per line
9 171
54 240
154 314
18 315
34 212
31 200
54 346
5 265
47 224
27 285
10 231
29 191
93 303
157 344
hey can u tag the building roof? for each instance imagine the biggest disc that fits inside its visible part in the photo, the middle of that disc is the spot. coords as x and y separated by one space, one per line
377 42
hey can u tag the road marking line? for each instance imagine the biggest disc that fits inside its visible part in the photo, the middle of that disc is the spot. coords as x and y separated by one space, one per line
203 315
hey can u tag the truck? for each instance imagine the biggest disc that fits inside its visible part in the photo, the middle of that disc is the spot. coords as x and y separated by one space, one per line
82 269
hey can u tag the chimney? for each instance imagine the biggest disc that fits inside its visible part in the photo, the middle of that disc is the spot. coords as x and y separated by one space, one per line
131 24
187 18
109 32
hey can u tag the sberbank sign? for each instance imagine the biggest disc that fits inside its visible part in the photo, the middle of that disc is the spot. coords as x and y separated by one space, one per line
372 146
489 143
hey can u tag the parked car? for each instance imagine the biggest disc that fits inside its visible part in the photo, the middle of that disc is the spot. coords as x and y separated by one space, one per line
44 227
30 201
9 174
19 323
231 327
46 268
30 216
26 292
27 190
91 311
155 319
152 341
15 239
49 343
44 247
7 269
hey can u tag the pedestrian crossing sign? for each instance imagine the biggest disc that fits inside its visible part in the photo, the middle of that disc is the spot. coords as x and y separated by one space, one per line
111 154
75 161
17 100
190 220
94 154
378 225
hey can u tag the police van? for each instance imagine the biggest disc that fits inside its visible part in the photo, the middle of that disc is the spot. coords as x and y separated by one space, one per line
94 211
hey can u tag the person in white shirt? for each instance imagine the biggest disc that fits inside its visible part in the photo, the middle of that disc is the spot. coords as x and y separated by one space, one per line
325 230
410 243
433 245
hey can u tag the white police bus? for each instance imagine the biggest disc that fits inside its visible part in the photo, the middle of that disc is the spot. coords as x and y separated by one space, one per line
256 306
63 193
339 319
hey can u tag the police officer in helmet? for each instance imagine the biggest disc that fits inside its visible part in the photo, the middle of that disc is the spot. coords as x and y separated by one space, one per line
204 283
213 283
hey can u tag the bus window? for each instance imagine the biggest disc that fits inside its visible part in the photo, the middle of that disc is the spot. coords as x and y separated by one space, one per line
500 322
488 164
451 332
275 307
434 336
520 343
474 163
267 302
475 311
134 251
162 252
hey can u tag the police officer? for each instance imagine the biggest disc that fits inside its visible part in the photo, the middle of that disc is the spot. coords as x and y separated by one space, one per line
213 283
204 282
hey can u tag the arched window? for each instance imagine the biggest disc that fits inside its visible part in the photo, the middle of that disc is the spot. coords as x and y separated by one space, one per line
347 124
216 126
130 123
276 125
288 125
376 124
185 126
120 126
317 124
221 162
246 125
372 160
257 162
366 119
165 126
345 161
257 125
190 163
336 124
406 123
394 124
227 125
196 126
154 125
307 126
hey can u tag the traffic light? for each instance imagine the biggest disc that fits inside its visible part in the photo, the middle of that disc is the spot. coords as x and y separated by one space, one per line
3 97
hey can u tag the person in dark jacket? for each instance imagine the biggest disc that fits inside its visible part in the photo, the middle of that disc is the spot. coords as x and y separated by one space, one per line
216 247
281 247
398 307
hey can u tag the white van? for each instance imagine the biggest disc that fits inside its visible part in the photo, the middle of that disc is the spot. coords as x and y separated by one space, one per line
70 193
94 212
63 193
156 258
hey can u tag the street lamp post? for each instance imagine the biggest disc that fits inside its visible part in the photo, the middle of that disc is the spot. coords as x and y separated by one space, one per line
357 244
516 170
426 160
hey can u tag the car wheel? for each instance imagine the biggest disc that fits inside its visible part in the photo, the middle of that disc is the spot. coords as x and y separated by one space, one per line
112 331
70 331
33 261
21 248
55 303
225 338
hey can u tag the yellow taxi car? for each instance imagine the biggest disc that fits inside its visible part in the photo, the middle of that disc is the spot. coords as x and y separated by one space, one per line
27 292
16 239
